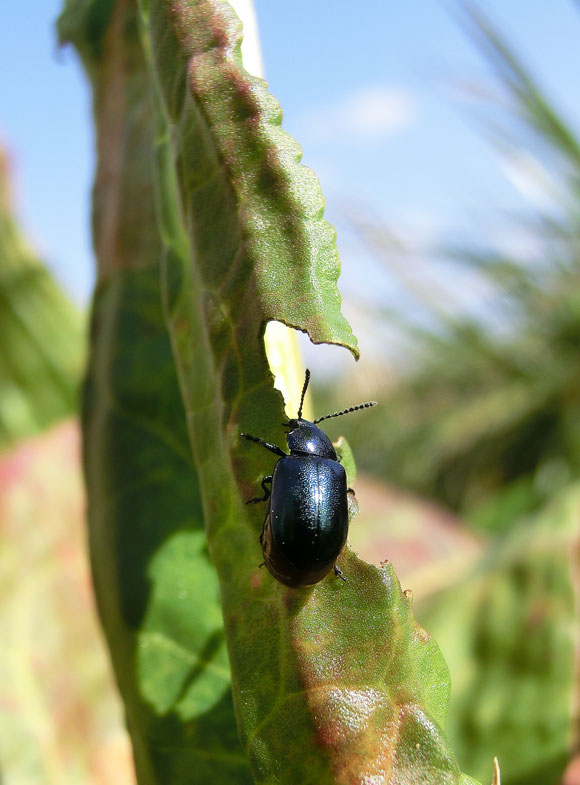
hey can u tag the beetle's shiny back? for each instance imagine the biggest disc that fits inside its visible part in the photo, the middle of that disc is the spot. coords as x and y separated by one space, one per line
308 512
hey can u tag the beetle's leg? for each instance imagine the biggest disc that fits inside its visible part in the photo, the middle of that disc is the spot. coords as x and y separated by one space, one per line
267 492
338 573
272 447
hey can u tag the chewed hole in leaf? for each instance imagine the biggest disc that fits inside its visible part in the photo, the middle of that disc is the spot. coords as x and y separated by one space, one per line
285 359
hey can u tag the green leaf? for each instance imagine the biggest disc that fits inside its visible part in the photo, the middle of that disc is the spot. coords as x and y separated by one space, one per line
344 452
42 335
514 662
156 589
157 592
335 682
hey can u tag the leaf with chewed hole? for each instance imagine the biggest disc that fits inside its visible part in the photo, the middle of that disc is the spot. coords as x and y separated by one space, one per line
335 683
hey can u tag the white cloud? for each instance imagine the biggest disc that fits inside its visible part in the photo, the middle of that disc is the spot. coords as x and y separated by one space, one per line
369 114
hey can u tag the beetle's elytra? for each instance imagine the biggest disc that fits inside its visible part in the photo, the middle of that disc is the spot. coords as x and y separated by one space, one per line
307 521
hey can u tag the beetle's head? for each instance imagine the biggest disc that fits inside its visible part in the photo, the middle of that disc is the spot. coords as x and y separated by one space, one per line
306 438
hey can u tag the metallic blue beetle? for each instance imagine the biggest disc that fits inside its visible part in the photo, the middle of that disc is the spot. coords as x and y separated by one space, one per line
308 514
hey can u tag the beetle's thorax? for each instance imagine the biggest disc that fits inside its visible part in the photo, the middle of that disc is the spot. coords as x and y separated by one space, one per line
306 438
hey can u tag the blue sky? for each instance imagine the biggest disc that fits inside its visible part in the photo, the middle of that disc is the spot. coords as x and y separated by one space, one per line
365 88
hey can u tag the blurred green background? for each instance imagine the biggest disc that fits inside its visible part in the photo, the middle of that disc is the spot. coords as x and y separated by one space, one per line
470 336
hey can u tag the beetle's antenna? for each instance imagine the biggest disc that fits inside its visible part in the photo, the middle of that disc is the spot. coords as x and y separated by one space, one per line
306 380
347 411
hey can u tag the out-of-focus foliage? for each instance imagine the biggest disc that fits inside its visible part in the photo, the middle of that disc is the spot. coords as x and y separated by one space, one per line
60 715
514 663
60 718
41 335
